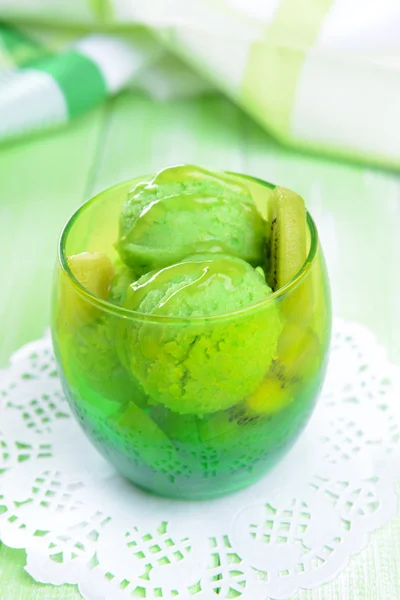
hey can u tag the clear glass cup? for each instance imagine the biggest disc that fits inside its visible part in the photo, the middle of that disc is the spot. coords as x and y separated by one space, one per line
256 373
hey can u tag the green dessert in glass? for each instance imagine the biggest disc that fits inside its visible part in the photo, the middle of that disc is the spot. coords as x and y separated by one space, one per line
191 323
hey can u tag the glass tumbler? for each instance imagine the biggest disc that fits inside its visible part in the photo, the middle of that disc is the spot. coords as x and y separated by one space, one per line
256 372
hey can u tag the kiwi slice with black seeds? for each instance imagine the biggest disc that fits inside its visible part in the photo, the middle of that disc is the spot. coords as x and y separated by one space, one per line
287 250
297 361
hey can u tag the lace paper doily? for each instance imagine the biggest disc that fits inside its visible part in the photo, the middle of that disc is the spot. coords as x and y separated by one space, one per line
81 523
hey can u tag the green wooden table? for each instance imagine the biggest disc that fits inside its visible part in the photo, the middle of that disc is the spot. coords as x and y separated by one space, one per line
357 209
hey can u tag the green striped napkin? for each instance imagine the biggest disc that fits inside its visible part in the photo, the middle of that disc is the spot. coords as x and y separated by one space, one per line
318 74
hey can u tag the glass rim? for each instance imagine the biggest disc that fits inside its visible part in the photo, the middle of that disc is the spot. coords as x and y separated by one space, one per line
120 311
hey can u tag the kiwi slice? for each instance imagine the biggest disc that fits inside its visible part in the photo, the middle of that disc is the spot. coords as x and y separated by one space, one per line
297 362
227 427
236 439
272 395
287 237
95 272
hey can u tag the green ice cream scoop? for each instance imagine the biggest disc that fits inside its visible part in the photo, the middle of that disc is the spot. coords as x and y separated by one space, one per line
212 356
186 210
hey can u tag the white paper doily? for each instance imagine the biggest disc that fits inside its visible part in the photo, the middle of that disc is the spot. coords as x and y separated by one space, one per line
81 523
